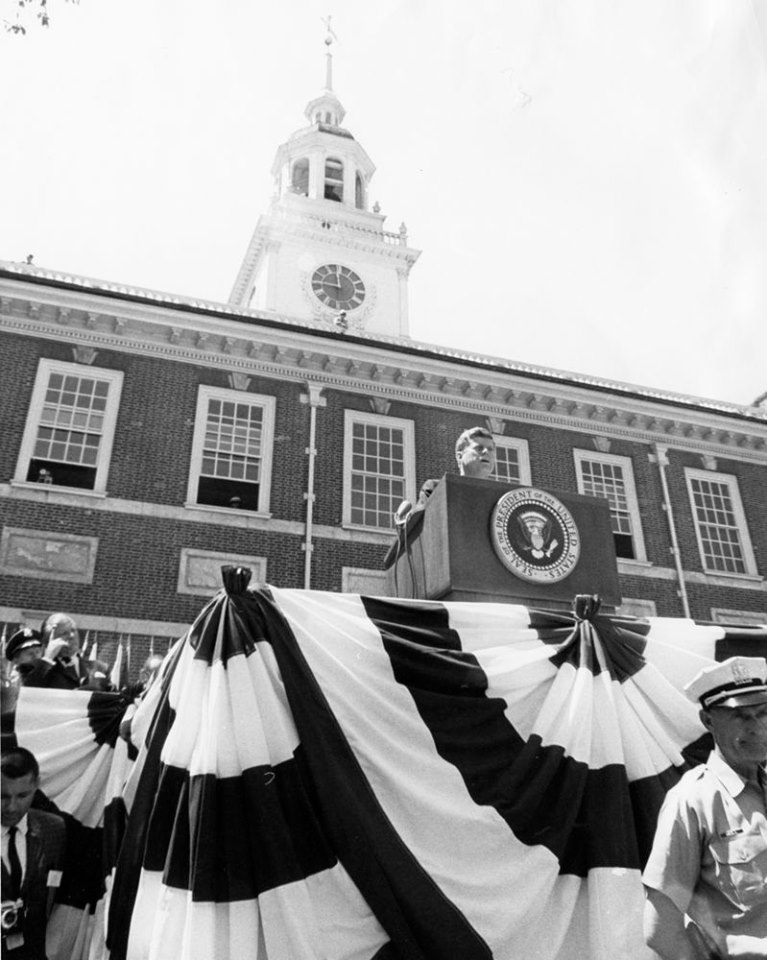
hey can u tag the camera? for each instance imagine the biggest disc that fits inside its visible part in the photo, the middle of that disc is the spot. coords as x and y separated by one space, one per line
11 915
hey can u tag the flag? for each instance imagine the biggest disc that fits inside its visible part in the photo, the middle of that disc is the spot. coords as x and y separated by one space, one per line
334 776
118 675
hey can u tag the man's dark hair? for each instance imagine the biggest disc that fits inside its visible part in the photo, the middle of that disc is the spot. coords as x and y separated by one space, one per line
467 435
16 762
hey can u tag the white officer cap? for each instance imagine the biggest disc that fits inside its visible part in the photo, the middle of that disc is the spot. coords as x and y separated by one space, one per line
737 682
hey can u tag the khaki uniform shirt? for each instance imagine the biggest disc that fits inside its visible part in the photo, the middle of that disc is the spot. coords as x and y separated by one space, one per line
709 856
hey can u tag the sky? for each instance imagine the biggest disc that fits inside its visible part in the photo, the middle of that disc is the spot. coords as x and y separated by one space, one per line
587 179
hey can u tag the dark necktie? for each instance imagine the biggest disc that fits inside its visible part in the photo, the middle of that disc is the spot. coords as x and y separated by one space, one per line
15 864
70 666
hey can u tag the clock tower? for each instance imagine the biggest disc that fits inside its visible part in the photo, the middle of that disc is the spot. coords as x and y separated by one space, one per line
320 249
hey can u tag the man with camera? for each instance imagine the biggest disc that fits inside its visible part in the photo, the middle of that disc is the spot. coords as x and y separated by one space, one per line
33 844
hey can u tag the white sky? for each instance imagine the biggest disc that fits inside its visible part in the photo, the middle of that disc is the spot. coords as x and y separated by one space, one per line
587 179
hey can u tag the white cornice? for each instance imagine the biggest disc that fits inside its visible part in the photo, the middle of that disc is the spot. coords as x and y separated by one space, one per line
239 341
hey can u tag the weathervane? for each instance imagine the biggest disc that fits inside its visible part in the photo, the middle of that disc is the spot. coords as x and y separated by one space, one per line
329 38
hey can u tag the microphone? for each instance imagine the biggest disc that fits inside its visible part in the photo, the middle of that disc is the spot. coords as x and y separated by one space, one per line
402 513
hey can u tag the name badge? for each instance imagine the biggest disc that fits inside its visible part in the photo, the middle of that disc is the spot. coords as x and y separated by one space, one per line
54 878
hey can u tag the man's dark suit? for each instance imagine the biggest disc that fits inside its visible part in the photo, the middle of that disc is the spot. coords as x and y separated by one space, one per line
55 676
46 841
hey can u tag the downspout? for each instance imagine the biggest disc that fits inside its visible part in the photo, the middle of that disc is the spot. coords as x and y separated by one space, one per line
314 400
662 460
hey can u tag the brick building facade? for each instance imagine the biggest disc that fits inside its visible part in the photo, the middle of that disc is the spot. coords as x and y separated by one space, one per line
131 420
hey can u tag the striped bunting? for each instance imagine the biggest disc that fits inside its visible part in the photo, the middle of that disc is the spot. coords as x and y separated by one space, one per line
83 767
333 776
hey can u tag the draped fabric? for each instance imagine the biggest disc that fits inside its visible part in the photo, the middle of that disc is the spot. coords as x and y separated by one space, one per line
333 776
83 767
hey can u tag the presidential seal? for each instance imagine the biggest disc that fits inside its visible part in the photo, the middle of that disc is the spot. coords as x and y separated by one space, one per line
535 536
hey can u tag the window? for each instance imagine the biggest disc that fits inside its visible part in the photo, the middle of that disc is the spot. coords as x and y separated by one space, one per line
359 192
70 426
720 524
378 468
612 477
512 461
300 177
334 179
232 450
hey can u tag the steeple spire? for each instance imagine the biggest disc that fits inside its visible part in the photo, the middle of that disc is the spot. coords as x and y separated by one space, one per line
329 38
326 109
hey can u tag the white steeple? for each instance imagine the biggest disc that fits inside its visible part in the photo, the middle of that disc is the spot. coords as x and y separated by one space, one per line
320 249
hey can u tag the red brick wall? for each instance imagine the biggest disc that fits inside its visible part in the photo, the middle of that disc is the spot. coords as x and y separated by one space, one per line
137 564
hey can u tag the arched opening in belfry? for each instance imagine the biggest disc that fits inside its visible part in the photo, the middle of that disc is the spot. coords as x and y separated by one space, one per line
359 191
300 177
334 179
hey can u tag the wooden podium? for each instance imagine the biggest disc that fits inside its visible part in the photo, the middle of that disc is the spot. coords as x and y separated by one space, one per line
480 540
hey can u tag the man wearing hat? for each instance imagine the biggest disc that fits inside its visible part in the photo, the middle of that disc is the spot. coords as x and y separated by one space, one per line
706 879
62 666
22 651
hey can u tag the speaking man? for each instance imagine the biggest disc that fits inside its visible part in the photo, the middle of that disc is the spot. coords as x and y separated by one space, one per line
706 879
33 844
475 453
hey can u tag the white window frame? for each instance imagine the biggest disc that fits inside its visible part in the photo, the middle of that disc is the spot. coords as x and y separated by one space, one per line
632 503
523 455
731 482
26 453
204 396
408 428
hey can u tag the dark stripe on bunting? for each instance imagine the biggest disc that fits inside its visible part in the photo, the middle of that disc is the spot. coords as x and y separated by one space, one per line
740 642
585 817
422 923
129 861
233 838
8 718
220 633
82 883
105 712
623 642
115 822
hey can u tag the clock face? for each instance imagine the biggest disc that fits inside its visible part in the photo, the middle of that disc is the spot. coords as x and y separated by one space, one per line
338 287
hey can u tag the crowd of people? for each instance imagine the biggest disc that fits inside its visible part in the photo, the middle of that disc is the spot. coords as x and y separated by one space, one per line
53 657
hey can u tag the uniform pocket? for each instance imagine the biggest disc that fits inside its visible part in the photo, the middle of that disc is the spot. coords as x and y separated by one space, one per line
741 866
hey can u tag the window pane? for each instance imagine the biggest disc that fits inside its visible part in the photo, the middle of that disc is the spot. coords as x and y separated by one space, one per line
507 465
378 471
231 453
75 405
602 479
720 538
